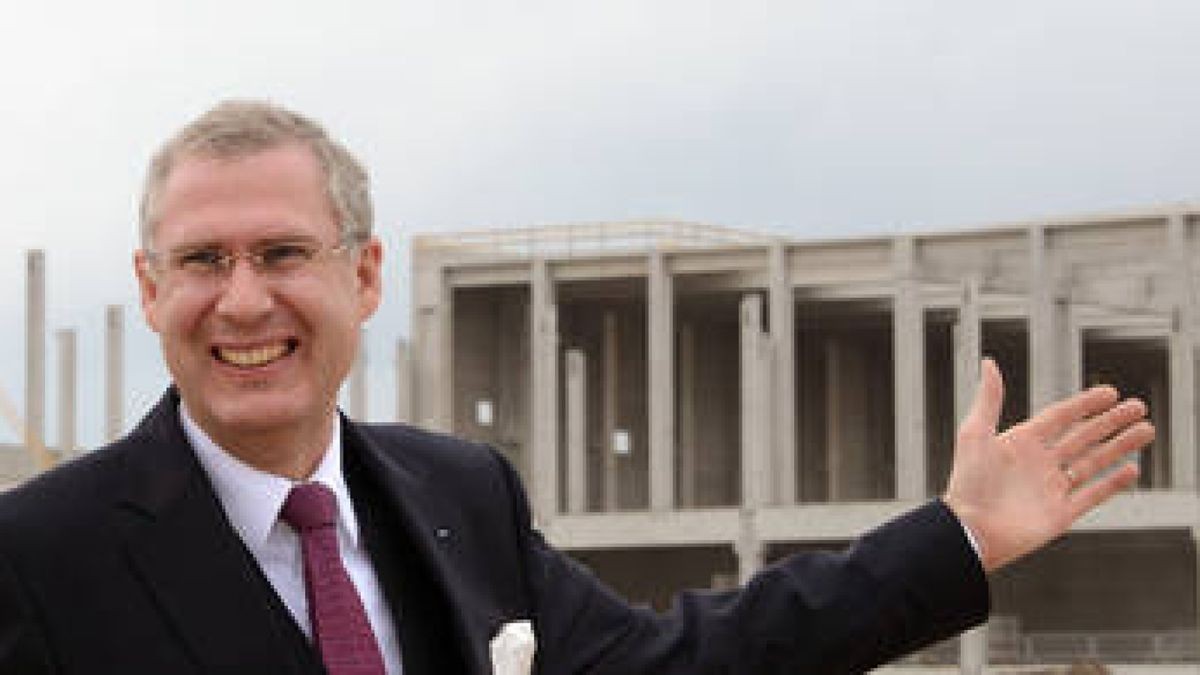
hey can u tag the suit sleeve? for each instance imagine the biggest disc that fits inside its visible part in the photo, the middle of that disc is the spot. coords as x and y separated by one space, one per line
904 585
22 643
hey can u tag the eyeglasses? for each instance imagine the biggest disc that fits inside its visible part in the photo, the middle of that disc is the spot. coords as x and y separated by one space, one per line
275 259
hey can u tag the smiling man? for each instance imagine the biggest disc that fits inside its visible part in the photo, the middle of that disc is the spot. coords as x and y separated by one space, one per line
258 349
246 527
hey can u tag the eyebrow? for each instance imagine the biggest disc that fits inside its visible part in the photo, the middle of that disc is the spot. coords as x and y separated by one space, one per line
257 244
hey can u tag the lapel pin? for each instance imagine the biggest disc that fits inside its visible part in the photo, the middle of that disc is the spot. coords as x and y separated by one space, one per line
443 533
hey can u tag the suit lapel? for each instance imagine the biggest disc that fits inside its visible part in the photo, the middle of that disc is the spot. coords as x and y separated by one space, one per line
191 560
430 521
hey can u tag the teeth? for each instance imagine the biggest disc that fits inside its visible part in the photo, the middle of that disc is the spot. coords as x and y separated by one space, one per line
258 356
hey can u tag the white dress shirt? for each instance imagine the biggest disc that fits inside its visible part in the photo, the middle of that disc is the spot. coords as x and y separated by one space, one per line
252 500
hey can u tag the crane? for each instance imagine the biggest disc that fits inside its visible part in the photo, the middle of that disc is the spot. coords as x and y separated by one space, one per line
35 446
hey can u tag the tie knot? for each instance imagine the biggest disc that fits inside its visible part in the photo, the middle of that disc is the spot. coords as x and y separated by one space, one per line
309 506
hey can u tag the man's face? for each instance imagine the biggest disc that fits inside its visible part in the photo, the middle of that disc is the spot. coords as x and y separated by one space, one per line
257 355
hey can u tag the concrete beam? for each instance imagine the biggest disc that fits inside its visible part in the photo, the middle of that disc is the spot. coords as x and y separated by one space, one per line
908 358
114 372
660 324
638 529
35 349
783 341
1143 510
826 521
67 393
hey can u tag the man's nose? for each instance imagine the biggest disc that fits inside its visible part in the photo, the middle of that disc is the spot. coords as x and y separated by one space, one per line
245 294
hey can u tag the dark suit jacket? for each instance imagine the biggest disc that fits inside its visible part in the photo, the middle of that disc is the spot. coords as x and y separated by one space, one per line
123 563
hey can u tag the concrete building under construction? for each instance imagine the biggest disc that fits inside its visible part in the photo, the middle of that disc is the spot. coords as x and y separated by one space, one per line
688 402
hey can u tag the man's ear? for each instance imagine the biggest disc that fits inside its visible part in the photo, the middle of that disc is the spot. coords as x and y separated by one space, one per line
369 275
147 287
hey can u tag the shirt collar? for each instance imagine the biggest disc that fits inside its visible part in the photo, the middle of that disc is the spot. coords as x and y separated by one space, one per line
252 498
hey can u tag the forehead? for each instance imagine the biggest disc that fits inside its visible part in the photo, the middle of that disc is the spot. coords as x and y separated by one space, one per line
275 192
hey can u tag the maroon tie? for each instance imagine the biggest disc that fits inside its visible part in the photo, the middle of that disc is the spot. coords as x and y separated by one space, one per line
340 628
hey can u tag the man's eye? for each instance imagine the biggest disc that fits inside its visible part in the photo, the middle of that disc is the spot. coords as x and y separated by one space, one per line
200 260
284 255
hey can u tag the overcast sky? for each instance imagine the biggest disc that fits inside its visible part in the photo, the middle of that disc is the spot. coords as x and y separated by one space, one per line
818 119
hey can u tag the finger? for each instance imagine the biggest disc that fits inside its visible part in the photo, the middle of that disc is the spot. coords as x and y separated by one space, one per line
1120 446
1056 418
984 415
1091 431
1089 496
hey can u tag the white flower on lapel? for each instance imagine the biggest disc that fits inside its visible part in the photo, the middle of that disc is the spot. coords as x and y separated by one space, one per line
513 648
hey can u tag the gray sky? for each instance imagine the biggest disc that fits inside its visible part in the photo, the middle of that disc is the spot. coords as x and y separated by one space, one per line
827 118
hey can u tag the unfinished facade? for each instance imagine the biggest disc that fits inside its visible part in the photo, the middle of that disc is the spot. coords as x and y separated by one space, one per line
687 402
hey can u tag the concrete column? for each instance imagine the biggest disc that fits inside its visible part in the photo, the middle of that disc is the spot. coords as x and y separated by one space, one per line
404 397
1196 568
357 389
1047 324
1156 469
609 408
968 347
754 401
749 547
688 465
576 365
67 390
660 323
972 651
114 371
35 351
1182 350
783 340
544 403
852 460
835 443
512 389
1072 348
433 374
908 357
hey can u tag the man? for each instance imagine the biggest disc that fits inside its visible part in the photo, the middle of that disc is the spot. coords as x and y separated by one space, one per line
213 537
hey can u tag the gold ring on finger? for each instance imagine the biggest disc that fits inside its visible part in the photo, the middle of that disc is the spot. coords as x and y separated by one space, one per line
1072 476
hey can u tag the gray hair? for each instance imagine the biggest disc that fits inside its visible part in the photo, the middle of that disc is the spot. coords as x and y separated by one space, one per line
238 128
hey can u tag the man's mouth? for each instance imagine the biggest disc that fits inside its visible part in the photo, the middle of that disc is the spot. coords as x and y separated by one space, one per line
255 357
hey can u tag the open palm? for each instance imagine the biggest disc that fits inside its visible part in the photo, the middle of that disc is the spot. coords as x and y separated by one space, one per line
1016 491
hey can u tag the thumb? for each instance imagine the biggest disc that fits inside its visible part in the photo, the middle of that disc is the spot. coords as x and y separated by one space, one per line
984 415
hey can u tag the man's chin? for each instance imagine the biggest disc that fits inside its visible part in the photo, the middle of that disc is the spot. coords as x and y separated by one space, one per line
258 414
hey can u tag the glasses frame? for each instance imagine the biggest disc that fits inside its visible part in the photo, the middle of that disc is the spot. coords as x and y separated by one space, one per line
166 263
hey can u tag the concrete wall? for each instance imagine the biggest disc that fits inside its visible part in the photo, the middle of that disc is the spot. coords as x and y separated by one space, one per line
582 323
1137 367
1137 581
845 398
491 364
713 322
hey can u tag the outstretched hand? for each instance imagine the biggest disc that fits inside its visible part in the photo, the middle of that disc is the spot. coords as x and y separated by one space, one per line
1016 491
